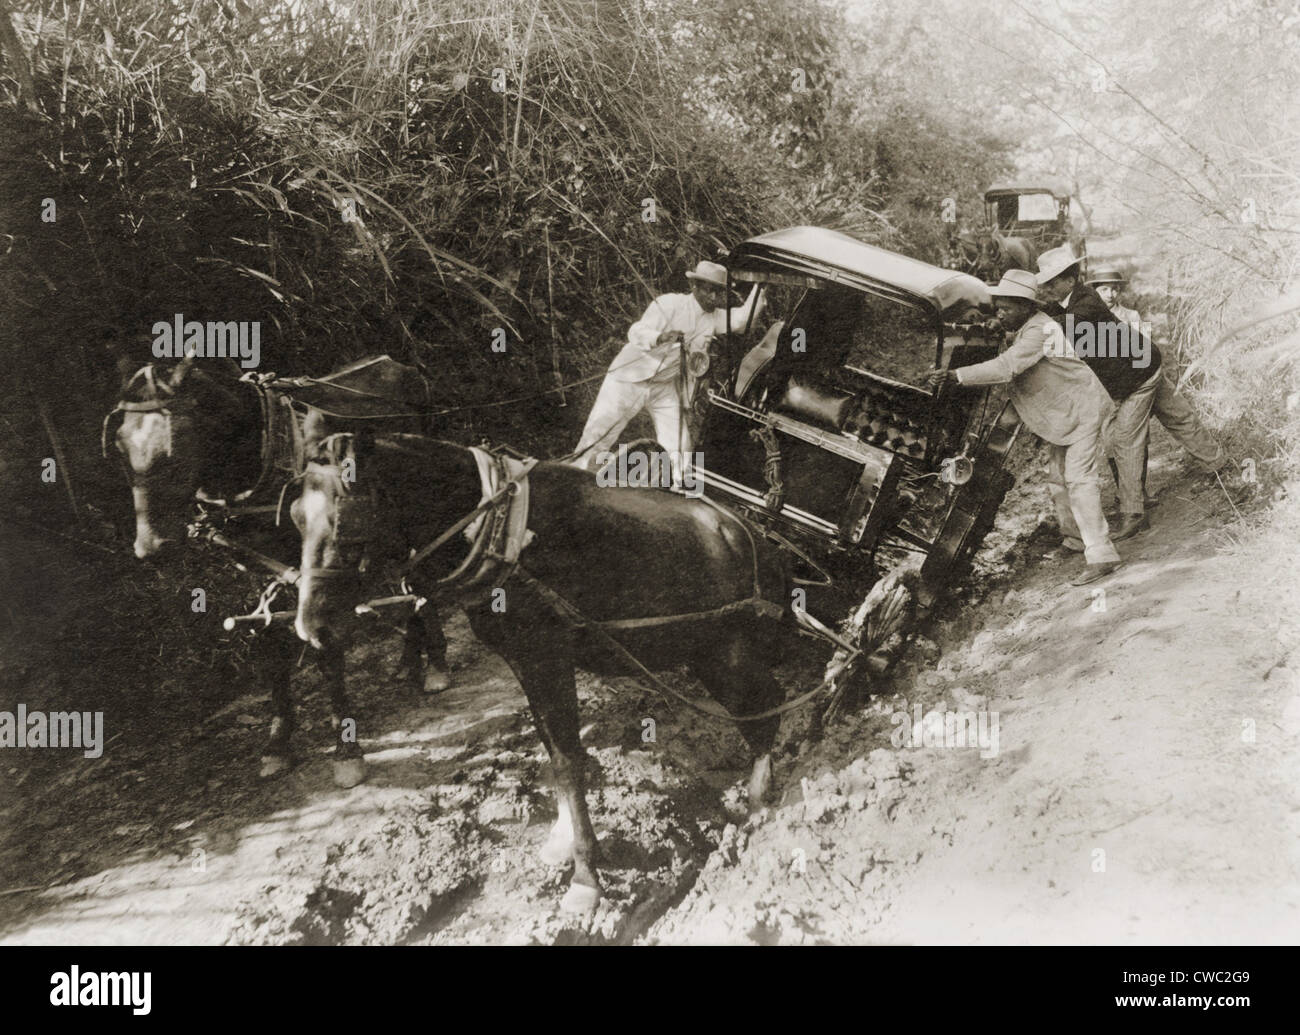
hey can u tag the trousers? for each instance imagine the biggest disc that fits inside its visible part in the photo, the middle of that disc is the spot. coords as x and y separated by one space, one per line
618 402
1129 429
1074 482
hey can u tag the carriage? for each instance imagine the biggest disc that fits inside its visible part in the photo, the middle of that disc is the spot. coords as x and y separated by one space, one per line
1039 214
824 435
1020 223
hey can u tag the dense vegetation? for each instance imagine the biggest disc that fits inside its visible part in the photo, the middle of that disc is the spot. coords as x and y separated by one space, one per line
410 178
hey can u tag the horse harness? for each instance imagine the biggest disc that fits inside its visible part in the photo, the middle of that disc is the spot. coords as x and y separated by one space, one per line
281 433
497 529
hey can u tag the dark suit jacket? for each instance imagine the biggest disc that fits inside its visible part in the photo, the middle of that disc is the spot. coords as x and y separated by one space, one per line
1116 372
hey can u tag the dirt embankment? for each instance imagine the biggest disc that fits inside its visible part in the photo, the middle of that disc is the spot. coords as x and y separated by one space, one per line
1136 782
1139 784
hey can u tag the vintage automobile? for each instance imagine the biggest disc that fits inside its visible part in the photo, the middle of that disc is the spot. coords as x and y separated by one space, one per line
1021 222
1037 214
825 436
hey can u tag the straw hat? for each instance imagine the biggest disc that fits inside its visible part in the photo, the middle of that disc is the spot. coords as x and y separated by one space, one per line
1109 275
1055 261
709 272
1016 284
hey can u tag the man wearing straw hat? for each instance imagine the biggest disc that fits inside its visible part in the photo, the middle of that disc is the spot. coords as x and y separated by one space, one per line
647 373
1108 282
1059 399
1133 375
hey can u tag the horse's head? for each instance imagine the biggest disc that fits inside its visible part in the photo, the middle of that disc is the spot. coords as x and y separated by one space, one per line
1012 253
180 429
965 248
338 524
159 442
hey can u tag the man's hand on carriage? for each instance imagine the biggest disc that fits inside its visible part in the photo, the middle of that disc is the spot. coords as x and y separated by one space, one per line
939 379
670 338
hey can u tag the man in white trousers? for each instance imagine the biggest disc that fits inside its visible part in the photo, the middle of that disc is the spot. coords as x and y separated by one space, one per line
647 373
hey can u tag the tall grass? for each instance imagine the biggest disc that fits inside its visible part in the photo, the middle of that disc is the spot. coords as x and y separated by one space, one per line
428 180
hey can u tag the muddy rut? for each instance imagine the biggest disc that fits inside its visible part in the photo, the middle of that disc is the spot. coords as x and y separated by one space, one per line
170 838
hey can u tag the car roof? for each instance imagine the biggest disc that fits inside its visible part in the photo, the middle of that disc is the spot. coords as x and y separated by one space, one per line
837 257
1002 190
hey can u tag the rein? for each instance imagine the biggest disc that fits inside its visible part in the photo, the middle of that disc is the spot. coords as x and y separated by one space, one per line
578 620
494 553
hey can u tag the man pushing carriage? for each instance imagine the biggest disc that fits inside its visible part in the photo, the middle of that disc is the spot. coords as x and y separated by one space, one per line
649 373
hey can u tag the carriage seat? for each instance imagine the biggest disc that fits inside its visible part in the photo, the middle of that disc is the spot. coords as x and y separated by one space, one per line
815 402
877 415
890 418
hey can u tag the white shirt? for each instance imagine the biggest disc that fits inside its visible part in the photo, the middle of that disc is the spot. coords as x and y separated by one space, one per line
643 360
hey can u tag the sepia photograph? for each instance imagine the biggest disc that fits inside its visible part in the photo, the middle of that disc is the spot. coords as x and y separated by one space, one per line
660 473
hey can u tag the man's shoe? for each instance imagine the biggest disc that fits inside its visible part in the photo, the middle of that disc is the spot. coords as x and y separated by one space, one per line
1093 572
1129 526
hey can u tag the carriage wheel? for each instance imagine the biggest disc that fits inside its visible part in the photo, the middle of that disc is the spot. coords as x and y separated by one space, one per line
878 628
961 536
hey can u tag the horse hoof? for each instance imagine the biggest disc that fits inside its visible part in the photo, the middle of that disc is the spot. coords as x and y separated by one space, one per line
436 680
580 898
349 772
273 765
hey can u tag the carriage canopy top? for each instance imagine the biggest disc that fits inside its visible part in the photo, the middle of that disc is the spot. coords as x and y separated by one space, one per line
812 254
1005 190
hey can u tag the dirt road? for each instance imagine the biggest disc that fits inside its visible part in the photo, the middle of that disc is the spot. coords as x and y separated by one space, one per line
1136 782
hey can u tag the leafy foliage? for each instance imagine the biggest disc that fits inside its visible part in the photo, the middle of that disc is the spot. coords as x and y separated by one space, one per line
421 179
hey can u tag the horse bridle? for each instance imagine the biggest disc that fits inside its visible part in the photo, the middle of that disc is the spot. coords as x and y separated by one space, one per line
160 404
165 404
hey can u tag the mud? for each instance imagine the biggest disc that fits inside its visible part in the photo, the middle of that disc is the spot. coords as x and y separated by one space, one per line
1120 732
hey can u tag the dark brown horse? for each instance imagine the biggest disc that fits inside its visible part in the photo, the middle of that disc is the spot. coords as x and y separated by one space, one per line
192 430
610 553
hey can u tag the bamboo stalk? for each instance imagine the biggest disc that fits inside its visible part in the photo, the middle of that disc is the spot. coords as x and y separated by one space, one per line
64 473
550 319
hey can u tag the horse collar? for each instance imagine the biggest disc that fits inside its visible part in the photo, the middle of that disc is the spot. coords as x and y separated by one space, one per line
500 533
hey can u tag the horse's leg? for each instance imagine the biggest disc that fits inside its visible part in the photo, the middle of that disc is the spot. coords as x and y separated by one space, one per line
349 762
408 665
730 667
436 672
424 639
542 661
273 660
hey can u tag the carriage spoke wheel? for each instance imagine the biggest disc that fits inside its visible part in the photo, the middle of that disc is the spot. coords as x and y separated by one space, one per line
878 628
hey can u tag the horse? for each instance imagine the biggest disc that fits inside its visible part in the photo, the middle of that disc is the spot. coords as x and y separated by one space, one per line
988 254
674 579
188 432
1011 253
